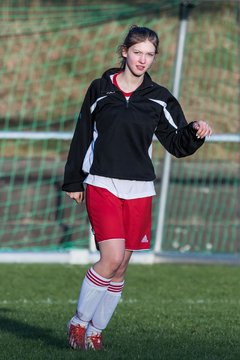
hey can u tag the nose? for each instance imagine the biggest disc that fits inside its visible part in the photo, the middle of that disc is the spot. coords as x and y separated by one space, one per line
142 59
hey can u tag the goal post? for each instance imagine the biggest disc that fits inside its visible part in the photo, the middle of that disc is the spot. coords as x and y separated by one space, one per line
50 55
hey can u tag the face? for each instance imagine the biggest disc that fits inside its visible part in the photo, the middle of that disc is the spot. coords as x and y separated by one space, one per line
139 57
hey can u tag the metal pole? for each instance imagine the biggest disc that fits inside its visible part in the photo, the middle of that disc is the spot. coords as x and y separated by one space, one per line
184 11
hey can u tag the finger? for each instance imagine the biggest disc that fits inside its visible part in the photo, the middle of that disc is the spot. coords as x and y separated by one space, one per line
208 131
203 131
73 196
199 126
82 197
195 125
79 198
200 134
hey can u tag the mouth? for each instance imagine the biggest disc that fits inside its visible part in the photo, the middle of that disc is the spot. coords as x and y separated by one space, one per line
140 67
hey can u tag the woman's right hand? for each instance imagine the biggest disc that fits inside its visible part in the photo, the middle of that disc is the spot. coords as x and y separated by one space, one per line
77 196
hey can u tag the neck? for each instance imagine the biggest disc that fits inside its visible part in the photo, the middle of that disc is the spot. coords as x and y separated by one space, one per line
128 81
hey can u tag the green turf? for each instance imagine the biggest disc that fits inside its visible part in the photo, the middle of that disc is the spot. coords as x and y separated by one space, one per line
182 312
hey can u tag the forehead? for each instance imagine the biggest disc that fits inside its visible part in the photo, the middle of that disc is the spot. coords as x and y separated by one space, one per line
145 46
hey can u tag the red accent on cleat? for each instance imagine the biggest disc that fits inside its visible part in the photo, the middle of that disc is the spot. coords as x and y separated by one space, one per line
77 336
94 342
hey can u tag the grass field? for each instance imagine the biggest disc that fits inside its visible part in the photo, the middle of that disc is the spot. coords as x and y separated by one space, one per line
167 312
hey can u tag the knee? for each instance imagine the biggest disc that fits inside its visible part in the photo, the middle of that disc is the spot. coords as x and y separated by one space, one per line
112 263
120 273
115 261
107 267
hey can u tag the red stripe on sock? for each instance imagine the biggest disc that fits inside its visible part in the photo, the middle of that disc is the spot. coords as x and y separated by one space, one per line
115 288
95 280
119 287
105 282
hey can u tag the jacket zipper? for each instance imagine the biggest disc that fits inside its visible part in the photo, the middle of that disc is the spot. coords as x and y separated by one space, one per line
119 91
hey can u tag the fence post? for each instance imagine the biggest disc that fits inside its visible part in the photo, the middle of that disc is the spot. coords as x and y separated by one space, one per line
184 12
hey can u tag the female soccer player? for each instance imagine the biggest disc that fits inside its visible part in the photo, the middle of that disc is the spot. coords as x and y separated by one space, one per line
111 153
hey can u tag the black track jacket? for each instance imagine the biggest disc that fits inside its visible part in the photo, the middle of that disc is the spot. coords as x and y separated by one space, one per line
114 135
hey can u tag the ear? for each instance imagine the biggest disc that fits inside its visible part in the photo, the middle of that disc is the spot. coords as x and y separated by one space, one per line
124 51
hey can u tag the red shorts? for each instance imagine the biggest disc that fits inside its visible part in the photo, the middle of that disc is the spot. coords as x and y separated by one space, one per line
115 218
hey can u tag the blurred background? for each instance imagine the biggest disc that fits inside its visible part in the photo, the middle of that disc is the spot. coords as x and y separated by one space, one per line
50 52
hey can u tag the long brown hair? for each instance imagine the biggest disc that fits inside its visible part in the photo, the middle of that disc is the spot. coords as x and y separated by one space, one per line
136 35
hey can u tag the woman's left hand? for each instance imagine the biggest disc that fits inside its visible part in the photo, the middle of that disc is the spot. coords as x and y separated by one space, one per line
203 129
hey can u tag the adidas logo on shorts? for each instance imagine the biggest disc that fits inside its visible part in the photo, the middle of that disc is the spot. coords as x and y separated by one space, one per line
144 239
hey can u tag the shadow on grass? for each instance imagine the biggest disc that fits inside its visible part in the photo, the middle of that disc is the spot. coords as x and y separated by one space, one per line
134 342
28 331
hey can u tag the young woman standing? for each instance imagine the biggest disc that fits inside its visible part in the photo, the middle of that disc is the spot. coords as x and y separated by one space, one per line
111 153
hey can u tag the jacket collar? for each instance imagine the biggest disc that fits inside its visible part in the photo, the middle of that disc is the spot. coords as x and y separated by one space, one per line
147 81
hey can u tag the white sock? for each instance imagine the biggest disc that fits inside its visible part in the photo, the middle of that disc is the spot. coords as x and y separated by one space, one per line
106 308
93 288
92 330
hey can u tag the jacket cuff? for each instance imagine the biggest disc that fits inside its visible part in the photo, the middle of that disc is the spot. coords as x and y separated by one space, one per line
75 187
193 131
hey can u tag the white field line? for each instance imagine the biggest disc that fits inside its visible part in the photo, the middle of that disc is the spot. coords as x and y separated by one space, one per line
49 301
